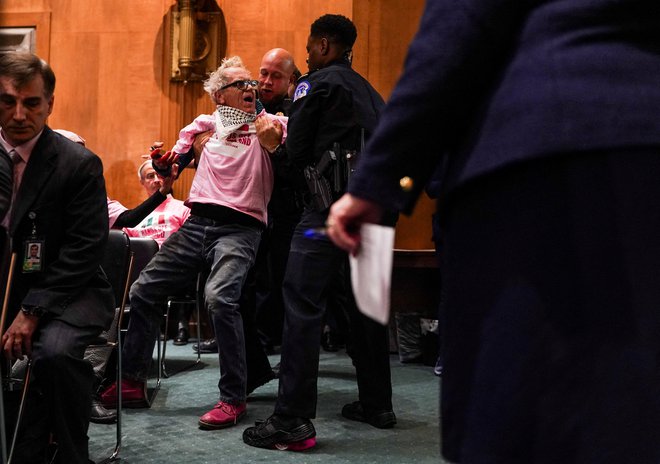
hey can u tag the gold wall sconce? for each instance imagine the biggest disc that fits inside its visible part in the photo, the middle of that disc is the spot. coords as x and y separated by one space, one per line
197 40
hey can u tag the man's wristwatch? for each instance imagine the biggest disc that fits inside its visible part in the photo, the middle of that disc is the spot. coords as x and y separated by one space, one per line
29 310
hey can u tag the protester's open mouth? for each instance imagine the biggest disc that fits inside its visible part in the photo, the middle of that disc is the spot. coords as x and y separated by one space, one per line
248 98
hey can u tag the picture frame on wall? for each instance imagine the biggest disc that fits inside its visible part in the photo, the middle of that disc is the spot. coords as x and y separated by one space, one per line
22 39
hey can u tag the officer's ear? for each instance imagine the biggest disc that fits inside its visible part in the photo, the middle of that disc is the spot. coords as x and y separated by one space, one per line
325 46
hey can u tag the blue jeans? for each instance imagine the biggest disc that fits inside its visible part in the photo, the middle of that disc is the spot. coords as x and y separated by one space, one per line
229 251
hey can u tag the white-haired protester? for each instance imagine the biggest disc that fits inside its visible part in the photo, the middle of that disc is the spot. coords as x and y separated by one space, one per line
228 198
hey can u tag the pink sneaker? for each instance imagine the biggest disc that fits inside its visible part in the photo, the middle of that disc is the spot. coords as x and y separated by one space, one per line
222 415
296 445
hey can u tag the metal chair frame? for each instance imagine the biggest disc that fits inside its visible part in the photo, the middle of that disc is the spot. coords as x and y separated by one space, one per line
143 250
162 371
117 343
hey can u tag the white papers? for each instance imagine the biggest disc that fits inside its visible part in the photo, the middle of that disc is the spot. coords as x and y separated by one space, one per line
371 271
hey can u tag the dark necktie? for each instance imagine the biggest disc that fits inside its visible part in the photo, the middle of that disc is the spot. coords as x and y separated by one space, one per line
16 160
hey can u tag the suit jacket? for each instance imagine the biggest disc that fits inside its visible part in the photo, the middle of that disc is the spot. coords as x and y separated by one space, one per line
491 83
62 200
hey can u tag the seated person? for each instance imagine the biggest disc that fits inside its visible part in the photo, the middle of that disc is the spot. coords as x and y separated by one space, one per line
59 308
159 223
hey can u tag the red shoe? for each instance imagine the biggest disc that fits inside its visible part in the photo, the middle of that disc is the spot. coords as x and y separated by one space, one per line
133 395
222 415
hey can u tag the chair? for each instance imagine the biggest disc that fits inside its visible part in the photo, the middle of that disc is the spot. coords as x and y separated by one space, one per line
10 384
117 264
143 249
198 301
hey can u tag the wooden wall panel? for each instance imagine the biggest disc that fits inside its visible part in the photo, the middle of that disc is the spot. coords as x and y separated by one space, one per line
388 27
256 26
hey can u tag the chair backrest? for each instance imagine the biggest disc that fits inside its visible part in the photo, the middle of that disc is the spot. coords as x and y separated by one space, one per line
143 249
116 262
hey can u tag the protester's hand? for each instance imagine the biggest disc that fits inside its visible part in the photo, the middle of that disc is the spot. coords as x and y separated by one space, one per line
269 132
346 216
166 186
17 340
199 142
163 160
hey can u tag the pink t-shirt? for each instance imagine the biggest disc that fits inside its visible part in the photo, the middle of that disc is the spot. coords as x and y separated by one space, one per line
234 171
159 224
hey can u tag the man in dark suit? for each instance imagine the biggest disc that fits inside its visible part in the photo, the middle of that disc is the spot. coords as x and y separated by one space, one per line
63 302
548 115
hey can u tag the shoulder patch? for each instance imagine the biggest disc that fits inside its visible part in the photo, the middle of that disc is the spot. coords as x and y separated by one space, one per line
301 90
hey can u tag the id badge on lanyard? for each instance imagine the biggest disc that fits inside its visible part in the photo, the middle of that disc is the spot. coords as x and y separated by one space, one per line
34 250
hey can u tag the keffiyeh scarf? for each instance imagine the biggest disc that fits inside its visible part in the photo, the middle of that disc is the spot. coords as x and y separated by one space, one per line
227 121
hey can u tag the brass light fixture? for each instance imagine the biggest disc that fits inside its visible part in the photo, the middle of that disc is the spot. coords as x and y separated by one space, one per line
197 39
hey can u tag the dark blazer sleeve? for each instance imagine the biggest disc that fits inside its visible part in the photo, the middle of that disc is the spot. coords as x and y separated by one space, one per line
6 182
489 84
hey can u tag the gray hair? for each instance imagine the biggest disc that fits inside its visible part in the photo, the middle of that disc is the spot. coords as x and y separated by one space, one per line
147 162
217 79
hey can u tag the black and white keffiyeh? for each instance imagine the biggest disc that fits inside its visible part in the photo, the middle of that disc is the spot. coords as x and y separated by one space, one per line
227 121
230 116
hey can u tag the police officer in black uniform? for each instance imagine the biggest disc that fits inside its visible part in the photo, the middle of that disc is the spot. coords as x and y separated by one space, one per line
332 104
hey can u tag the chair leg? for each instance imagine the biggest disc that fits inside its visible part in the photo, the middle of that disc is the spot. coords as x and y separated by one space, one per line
162 370
21 409
199 331
3 422
114 457
161 359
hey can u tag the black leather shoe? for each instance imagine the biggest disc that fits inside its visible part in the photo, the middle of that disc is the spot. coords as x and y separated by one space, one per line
379 419
181 337
101 415
278 432
207 346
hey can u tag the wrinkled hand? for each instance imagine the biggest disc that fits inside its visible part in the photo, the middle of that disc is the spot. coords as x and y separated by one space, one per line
167 182
269 132
163 160
346 216
199 142
17 340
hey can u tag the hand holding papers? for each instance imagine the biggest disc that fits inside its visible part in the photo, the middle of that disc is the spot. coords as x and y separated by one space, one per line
371 271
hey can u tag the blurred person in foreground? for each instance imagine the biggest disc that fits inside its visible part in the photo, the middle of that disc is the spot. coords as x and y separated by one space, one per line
548 115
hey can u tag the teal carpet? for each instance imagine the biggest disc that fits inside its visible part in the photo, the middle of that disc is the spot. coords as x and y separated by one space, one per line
168 433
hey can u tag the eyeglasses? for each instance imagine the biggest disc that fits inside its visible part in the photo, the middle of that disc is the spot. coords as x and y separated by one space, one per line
241 85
